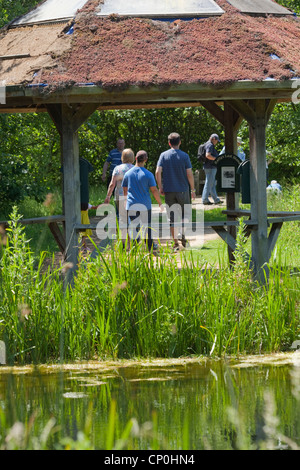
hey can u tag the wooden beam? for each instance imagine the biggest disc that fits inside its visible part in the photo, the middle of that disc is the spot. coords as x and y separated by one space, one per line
214 110
47 219
23 110
273 235
270 105
244 109
58 236
246 213
226 236
55 112
244 90
175 104
52 222
82 113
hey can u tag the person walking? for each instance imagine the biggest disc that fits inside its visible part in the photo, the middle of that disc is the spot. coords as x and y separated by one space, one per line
115 185
137 185
210 171
175 180
114 158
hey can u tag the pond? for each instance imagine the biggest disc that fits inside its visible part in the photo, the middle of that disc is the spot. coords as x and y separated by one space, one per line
189 404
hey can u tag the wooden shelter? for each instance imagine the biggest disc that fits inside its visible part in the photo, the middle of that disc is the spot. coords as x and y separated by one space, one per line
236 61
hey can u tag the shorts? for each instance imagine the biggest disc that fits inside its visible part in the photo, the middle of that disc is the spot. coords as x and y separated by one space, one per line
178 200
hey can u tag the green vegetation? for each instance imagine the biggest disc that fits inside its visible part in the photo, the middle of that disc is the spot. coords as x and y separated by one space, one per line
158 310
129 304
132 305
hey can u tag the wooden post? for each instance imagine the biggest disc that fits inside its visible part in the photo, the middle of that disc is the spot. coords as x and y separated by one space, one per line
258 180
71 179
257 113
231 124
68 118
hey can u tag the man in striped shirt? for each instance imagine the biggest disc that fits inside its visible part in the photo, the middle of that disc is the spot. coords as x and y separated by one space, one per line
113 160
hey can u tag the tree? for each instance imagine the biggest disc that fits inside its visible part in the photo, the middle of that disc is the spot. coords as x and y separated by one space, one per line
11 9
293 5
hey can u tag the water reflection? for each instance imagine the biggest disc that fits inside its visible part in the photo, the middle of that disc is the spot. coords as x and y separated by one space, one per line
194 406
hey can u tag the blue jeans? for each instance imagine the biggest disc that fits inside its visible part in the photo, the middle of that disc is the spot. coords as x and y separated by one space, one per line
210 186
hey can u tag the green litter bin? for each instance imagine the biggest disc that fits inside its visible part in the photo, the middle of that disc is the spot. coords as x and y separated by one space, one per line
244 171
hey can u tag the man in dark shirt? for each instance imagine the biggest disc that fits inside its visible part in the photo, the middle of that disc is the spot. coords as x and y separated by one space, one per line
175 180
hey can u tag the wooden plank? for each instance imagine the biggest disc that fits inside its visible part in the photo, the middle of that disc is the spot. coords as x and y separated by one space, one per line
176 104
159 97
226 236
244 212
15 110
52 222
286 218
58 236
222 223
273 236
38 220
14 56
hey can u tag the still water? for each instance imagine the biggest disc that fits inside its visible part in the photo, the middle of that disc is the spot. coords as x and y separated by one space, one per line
188 404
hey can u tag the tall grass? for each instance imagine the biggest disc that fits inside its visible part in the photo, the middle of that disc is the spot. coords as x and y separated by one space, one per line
127 304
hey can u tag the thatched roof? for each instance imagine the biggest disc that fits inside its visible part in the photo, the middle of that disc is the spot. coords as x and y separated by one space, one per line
117 52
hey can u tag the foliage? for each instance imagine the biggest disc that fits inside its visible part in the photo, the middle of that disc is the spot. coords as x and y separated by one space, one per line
283 141
12 9
29 157
144 129
293 5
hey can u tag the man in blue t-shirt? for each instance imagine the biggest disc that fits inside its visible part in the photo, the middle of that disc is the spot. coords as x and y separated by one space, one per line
113 160
175 179
137 184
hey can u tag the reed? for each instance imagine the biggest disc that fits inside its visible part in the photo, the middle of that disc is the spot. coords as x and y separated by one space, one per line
127 304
